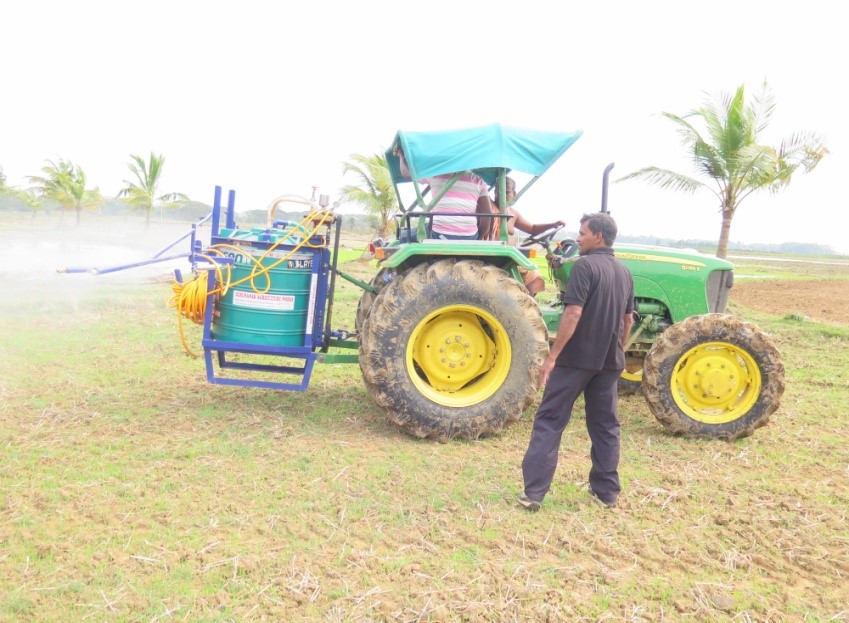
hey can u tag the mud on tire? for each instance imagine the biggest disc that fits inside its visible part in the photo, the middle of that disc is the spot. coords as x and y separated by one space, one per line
714 375
378 282
453 349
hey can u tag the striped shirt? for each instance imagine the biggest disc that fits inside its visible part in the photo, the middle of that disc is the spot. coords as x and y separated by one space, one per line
461 199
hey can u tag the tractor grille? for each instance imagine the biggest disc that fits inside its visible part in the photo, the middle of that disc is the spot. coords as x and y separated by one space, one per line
718 289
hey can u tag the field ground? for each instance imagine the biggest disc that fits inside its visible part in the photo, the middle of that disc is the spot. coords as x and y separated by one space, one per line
816 299
133 490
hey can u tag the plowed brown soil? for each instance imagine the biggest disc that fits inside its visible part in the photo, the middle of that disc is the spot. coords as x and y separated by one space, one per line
822 301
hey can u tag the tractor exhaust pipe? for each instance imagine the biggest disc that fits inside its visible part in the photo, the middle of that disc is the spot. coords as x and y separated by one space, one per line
604 187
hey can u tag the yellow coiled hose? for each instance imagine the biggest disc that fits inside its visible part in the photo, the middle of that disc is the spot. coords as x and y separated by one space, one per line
190 297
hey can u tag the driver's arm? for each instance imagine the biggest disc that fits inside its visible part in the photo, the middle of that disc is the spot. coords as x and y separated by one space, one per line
523 224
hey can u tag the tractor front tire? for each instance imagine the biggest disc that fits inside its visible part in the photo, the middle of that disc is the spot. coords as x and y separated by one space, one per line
631 379
452 349
715 376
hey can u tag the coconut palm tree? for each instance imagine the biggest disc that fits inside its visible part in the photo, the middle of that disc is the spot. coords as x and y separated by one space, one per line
28 197
65 183
375 192
142 193
728 156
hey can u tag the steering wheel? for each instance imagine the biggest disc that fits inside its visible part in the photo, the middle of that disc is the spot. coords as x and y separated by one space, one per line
543 238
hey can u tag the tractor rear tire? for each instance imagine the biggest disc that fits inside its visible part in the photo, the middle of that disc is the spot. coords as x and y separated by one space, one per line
715 376
378 282
452 349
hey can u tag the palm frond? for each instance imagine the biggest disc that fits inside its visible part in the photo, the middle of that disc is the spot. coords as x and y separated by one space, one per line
173 197
374 192
63 181
665 178
763 106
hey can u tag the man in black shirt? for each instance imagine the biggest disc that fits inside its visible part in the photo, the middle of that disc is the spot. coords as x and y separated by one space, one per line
587 356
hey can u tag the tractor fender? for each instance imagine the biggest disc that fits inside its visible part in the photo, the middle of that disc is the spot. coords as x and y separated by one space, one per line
498 253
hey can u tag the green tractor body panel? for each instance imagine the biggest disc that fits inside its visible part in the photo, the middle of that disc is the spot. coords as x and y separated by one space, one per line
687 282
670 285
497 253
684 282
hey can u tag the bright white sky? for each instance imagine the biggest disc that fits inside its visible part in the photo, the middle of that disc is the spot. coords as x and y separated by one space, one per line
269 98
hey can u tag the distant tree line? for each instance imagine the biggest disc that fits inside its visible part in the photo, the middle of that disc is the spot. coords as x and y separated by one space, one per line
709 246
62 186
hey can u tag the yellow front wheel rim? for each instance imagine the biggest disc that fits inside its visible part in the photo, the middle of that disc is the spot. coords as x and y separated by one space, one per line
634 375
716 382
458 355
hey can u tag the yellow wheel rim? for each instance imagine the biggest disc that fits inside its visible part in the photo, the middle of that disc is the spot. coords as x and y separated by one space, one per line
458 356
633 372
716 382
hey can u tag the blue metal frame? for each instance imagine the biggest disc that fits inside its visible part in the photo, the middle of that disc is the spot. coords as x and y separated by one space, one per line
314 338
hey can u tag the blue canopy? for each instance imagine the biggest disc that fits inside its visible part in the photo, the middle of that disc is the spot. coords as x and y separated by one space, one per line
476 149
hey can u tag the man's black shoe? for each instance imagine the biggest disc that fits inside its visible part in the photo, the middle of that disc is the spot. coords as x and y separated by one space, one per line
608 503
527 503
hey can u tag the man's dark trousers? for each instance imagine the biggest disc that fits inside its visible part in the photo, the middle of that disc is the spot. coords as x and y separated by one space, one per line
564 386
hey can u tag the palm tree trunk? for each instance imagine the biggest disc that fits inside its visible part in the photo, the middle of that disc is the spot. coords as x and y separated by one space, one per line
385 224
724 233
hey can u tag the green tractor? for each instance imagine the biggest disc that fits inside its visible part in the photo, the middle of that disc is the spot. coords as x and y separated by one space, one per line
450 341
